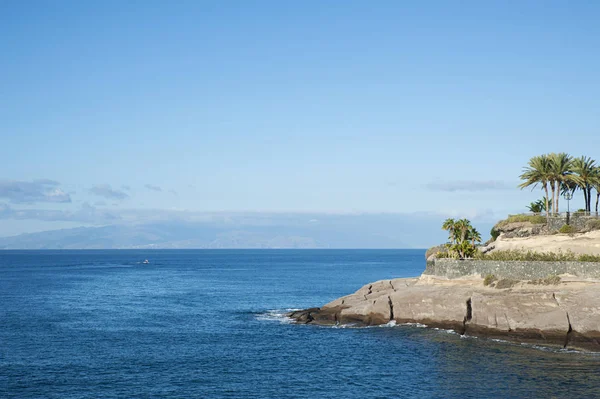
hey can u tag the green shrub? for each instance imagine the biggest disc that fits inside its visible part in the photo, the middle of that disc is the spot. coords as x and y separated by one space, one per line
566 229
489 279
552 279
506 283
588 258
520 255
444 255
437 250
534 219
494 233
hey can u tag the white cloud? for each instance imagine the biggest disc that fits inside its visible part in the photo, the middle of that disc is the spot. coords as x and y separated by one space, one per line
106 191
41 190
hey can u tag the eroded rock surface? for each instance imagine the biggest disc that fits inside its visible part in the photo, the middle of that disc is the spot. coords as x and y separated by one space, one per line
567 314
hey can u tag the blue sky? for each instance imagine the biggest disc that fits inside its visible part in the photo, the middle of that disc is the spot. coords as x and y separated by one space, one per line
270 106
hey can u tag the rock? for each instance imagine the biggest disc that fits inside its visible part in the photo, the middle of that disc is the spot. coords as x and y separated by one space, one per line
521 229
431 252
487 248
583 314
524 316
565 315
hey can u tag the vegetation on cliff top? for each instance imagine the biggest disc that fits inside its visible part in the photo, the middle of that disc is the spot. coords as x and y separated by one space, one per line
534 219
520 255
526 256
462 237
560 173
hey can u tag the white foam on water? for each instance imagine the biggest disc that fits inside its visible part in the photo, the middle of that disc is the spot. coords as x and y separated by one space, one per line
342 326
449 331
276 315
543 348
418 325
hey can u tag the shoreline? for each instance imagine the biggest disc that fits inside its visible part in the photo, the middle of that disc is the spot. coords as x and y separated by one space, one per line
565 315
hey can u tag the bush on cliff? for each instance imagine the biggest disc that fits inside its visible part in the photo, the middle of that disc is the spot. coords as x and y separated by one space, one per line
438 251
506 283
462 237
494 233
566 229
489 279
589 258
520 255
552 279
533 219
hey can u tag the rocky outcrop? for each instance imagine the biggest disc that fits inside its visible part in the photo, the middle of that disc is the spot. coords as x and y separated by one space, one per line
583 243
521 229
567 315
431 253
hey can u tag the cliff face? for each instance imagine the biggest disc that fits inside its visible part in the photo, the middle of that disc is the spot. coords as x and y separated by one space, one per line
567 314
579 243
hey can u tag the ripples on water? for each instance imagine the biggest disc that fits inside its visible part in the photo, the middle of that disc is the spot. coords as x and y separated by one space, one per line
211 324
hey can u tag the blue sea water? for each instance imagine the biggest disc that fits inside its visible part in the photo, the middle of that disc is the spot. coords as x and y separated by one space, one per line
209 324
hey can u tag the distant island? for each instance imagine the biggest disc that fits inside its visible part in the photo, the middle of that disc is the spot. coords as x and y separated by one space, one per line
536 280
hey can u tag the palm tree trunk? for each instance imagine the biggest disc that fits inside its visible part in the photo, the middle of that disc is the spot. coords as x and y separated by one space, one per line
585 196
597 199
552 201
557 196
589 199
546 199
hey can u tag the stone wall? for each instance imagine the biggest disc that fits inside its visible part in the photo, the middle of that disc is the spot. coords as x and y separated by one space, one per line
578 221
521 270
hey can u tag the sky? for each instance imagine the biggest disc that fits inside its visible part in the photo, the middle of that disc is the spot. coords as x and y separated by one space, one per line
111 108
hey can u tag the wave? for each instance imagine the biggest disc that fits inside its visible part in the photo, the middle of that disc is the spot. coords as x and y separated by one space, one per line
419 325
276 315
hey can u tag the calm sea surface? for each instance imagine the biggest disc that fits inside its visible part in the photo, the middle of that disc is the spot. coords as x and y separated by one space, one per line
208 324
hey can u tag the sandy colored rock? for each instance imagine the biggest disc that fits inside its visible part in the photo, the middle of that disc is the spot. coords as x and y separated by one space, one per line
567 314
586 243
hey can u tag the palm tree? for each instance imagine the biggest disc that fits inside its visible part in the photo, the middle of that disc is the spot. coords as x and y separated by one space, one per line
450 226
475 236
538 171
463 227
560 165
596 185
584 169
538 206
462 238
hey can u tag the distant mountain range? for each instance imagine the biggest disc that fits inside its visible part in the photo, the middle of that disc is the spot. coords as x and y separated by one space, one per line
299 231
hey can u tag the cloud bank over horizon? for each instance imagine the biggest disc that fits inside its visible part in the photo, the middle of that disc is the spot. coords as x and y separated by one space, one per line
151 228
46 213
470 185
31 192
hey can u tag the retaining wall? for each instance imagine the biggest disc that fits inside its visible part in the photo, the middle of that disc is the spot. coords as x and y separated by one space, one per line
576 220
521 270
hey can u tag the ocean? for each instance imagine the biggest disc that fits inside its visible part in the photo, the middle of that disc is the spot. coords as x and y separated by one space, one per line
210 324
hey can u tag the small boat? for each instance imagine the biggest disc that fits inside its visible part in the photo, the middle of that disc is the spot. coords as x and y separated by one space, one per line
146 262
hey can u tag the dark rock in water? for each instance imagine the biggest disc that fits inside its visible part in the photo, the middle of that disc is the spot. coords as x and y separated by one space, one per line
303 316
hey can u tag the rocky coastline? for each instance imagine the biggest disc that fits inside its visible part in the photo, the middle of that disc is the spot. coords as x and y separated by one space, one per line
566 314
543 302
